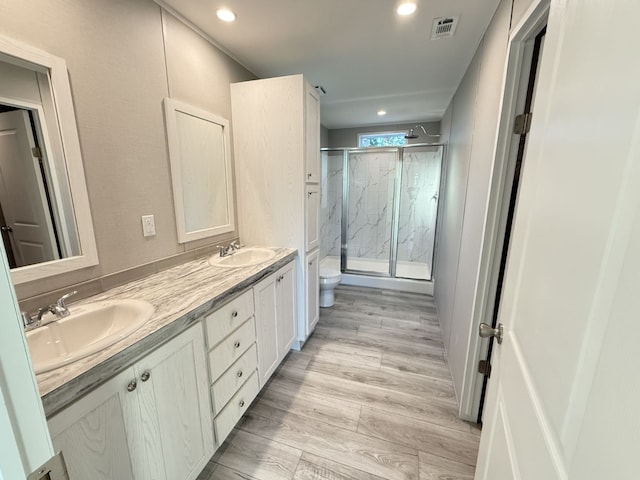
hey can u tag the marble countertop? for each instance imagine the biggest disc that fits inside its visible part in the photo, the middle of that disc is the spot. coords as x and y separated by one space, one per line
180 295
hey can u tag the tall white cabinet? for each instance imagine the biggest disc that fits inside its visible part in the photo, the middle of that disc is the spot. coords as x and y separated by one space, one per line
276 139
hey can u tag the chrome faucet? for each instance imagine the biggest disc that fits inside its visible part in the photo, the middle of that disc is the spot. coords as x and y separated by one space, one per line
224 251
235 246
59 309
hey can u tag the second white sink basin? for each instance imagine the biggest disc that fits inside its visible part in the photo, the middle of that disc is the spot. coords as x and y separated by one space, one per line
88 329
244 257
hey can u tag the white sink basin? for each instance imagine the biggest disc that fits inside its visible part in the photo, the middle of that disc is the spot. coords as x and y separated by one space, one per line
244 257
88 329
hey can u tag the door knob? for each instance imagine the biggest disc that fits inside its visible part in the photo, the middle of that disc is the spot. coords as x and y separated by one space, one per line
486 331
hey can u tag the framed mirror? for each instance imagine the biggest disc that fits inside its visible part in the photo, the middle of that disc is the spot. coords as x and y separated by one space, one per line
200 171
45 221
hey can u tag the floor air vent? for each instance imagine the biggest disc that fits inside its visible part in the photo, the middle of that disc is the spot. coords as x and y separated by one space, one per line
444 27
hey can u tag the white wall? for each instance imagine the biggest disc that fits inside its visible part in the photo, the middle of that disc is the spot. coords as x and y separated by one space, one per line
474 113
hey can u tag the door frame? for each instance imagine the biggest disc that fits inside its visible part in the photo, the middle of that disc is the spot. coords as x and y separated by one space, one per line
25 442
531 22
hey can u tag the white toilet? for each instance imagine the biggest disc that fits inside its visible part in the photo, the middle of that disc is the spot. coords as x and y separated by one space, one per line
330 277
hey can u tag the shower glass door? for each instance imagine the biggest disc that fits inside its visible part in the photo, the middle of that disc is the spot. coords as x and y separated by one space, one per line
417 213
368 206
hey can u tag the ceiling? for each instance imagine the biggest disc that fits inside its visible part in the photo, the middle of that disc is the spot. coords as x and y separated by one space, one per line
366 56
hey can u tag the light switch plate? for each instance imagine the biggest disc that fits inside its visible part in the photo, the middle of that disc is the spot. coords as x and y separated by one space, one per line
148 226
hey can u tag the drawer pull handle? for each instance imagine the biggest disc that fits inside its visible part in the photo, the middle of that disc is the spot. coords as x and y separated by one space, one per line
241 403
234 314
132 386
240 373
237 344
146 375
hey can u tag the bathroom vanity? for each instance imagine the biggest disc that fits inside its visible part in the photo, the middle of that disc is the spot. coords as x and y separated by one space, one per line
162 400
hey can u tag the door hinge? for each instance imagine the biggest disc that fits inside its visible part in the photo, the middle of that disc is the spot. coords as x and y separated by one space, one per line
522 124
36 152
54 469
484 367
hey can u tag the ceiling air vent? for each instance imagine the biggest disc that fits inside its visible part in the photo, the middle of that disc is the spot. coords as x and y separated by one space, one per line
444 27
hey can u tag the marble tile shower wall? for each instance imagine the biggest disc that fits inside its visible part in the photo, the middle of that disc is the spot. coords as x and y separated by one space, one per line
331 204
371 188
418 205
372 180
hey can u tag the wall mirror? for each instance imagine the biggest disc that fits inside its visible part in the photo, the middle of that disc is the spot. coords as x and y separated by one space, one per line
200 171
45 221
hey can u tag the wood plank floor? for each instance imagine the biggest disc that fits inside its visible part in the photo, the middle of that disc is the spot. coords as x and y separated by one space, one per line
369 397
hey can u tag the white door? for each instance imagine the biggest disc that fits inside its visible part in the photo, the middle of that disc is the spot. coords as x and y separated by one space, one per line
22 195
564 393
24 438
312 134
286 309
92 432
265 301
175 408
312 217
312 279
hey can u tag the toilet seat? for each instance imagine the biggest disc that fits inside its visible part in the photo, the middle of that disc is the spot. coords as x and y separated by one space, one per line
328 273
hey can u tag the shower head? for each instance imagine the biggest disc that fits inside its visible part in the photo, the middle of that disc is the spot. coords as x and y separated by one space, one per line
411 135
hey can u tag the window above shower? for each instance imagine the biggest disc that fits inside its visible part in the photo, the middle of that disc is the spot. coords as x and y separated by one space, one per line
383 139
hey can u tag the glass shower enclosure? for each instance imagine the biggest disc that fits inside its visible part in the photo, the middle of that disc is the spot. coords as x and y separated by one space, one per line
379 209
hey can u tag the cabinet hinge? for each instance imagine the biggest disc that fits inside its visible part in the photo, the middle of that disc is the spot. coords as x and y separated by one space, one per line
484 367
36 152
522 124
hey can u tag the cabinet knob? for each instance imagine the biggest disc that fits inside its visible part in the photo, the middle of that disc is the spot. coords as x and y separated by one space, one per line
311 263
241 403
146 375
309 175
237 344
240 374
234 314
132 386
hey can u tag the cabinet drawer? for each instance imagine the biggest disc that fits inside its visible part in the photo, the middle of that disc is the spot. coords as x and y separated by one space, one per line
228 317
236 407
230 381
231 348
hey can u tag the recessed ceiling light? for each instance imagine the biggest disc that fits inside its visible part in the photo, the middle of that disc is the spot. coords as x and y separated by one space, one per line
226 15
406 8
382 113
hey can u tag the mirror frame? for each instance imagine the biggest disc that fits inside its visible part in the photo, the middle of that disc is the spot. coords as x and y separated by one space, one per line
172 107
24 55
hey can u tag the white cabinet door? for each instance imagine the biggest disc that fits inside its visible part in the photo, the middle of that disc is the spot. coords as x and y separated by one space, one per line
150 422
312 134
312 217
264 297
92 433
173 386
286 309
312 293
